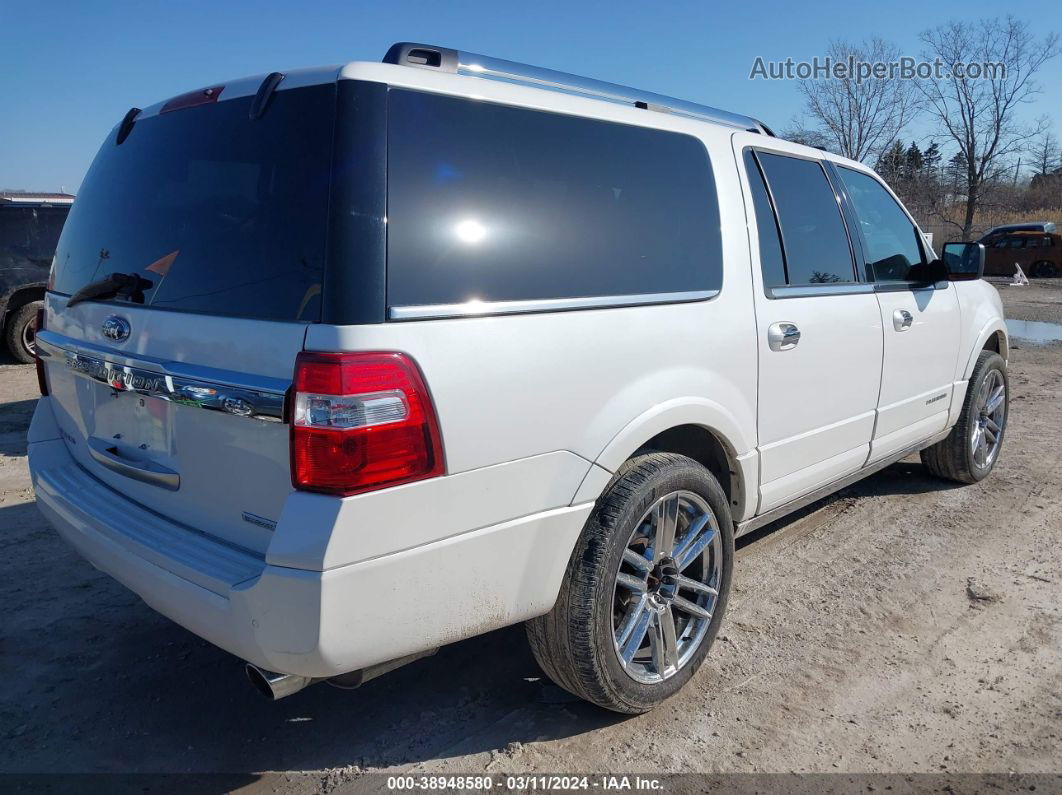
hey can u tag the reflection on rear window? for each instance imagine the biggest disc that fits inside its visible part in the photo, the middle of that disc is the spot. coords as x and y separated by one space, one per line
497 203
224 215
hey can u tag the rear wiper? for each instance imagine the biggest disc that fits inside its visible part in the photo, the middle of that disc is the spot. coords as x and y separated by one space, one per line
130 284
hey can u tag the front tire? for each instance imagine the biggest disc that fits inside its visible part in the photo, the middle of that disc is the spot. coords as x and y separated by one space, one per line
1044 270
646 587
21 330
972 448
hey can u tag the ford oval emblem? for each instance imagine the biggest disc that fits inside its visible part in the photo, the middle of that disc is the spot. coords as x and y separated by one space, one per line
116 328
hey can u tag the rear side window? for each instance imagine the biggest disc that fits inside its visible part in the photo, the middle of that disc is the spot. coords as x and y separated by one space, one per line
771 260
813 233
890 237
494 203
222 214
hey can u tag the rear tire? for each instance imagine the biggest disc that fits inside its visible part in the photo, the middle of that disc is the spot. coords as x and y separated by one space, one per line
624 572
972 448
21 330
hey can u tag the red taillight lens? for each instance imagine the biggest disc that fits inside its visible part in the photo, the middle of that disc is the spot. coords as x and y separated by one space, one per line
42 378
361 421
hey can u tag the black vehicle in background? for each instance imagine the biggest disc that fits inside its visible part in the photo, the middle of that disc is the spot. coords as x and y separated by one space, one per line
30 224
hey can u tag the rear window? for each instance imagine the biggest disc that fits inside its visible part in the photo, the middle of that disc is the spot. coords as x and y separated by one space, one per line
494 203
222 214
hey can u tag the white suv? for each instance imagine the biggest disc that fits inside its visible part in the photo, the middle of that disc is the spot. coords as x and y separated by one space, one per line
344 365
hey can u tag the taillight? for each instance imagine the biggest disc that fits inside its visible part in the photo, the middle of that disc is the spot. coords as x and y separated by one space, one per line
42 378
361 421
204 96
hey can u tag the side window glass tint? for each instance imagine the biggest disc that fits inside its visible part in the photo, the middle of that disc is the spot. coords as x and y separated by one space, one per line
813 233
495 203
891 238
771 261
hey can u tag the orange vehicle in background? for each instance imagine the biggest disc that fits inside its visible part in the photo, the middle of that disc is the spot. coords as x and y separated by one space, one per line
1038 254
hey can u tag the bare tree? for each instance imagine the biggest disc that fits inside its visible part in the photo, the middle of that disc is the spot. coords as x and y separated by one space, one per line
978 112
800 132
1045 152
858 118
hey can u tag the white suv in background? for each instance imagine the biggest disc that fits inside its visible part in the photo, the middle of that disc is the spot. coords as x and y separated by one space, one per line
344 365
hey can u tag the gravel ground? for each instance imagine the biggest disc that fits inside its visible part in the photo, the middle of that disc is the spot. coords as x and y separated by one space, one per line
902 625
1040 300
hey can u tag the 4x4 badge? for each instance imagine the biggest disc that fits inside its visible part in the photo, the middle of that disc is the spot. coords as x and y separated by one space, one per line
116 328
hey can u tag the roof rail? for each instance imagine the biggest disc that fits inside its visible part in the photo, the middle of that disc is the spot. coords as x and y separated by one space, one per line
425 56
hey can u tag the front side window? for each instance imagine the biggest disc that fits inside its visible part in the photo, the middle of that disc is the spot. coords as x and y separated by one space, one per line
813 233
491 203
891 239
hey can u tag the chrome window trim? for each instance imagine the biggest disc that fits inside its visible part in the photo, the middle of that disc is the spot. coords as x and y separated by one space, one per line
224 391
902 286
489 308
850 288
811 290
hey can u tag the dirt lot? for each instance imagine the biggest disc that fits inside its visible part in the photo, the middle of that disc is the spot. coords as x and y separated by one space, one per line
905 624
1040 300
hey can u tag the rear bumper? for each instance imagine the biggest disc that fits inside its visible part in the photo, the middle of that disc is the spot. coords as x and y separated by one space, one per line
307 622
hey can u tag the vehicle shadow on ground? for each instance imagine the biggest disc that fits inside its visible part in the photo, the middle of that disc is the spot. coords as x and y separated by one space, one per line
14 422
106 684
906 477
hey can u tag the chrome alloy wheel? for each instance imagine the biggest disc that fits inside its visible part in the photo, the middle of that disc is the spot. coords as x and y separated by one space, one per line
29 337
990 415
667 587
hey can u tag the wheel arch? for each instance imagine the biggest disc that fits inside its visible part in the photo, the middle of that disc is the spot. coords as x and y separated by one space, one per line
701 430
22 295
993 336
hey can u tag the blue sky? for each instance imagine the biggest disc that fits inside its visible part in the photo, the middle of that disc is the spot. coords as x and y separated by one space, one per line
70 70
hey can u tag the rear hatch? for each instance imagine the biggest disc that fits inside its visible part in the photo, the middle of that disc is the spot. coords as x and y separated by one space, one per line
171 392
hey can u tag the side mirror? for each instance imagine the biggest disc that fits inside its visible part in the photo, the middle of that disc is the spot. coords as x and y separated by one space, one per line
964 261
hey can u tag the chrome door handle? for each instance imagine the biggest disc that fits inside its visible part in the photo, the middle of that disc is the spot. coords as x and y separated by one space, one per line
782 336
902 320
107 455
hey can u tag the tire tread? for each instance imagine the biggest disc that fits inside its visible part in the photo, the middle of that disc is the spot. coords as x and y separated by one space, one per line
561 639
949 458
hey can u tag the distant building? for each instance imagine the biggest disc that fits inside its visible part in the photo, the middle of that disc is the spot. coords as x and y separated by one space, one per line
22 197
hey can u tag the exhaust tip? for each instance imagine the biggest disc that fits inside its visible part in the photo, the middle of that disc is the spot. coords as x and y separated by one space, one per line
258 680
275 686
